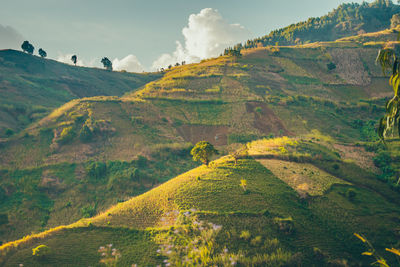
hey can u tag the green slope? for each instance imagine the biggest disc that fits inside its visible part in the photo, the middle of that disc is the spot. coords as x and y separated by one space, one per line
326 222
31 86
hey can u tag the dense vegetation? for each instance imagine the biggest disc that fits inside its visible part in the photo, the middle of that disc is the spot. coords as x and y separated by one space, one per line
346 20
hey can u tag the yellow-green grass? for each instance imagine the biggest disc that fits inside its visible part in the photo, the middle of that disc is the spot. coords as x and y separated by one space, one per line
33 86
305 178
215 193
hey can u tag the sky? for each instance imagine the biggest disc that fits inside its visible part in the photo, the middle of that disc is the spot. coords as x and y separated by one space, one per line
144 35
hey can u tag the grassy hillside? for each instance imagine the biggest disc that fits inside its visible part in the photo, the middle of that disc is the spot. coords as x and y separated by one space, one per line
31 87
267 92
311 228
307 193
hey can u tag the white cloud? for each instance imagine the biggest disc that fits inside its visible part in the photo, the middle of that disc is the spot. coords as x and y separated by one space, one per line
129 63
206 35
10 38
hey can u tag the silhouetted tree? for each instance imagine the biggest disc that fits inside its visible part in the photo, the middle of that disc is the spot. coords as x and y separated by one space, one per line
107 63
74 59
27 47
42 53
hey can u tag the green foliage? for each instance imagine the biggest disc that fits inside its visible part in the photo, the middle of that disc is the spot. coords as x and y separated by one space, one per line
245 235
390 122
285 225
88 211
9 132
66 135
346 20
41 251
27 47
42 53
85 134
202 151
331 66
243 184
96 170
351 194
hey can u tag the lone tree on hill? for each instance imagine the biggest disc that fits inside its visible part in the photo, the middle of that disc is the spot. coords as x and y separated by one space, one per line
74 59
27 47
202 151
42 53
107 63
238 151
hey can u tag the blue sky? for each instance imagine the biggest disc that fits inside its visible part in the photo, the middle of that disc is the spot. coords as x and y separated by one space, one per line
143 29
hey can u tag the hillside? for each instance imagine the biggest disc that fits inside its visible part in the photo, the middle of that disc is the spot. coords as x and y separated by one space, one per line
307 193
308 216
347 20
31 87
64 166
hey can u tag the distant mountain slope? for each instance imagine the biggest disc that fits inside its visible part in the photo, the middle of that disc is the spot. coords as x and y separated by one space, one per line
31 86
346 20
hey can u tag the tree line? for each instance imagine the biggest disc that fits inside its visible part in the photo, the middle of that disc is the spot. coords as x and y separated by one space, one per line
27 47
347 19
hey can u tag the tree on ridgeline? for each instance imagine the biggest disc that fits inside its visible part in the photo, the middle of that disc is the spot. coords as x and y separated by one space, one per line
27 47
107 63
42 53
74 59
203 151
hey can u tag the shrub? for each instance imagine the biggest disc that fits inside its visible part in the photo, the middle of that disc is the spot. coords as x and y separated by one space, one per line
41 251
285 225
331 66
243 184
351 194
66 135
96 169
256 241
245 235
336 166
9 132
85 134
88 211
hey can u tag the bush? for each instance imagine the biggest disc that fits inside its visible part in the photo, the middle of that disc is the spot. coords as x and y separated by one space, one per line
245 235
351 194
285 225
85 134
331 66
66 135
96 169
41 251
88 211
9 132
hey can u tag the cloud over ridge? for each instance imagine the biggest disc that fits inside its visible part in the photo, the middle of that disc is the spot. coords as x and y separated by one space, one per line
206 35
